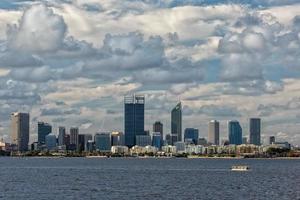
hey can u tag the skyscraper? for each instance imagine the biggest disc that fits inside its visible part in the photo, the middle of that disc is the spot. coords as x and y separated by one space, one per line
272 140
255 124
103 142
61 136
43 130
213 132
192 134
234 132
50 141
117 138
176 121
134 118
20 130
158 128
74 132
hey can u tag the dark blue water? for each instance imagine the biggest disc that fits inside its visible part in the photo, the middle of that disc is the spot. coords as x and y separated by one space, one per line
125 178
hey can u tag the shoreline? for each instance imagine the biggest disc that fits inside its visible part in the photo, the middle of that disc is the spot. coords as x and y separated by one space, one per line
152 157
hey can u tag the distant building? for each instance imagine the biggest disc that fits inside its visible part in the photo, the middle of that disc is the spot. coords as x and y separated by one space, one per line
202 141
176 121
180 147
143 140
43 130
117 139
134 118
74 132
245 140
214 132
255 126
87 138
192 134
50 140
156 140
103 142
272 139
159 128
168 140
67 140
234 132
61 136
81 142
20 130
89 146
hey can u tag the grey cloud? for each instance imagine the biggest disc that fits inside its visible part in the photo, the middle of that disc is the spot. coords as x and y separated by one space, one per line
252 88
41 74
58 111
33 34
219 111
19 93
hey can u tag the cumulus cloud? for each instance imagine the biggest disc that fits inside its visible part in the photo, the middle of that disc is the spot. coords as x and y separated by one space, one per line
39 30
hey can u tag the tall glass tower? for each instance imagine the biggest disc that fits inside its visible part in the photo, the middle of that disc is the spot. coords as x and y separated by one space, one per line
235 132
214 132
20 130
44 129
255 124
176 121
134 118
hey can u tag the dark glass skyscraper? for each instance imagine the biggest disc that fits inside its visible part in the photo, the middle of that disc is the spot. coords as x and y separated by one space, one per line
158 128
255 124
235 132
192 134
44 129
176 121
134 118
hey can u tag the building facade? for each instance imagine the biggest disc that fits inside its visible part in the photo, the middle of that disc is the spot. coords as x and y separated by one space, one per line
50 141
192 134
235 134
255 125
20 130
158 127
176 121
74 133
61 136
214 132
103 142
134 118
43 130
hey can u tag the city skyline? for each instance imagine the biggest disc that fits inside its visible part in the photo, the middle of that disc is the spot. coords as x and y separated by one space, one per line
134 106
223 60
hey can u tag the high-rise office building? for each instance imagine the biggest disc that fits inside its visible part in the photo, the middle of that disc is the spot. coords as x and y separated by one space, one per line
81 142
134 118
143 140
88 138
176 121
50 141
156 140
43 130
191 134
159 128
255 125
235 134
20 130
74 132
272 140
117 139
214 132
103 142
61 136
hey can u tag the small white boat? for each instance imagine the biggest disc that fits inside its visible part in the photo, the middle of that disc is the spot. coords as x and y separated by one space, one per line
240 168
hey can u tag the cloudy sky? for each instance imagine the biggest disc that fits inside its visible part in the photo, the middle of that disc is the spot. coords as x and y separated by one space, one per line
71 62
